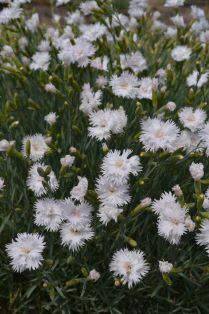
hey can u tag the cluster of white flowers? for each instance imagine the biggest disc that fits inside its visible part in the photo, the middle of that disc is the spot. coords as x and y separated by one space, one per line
111 110
112 186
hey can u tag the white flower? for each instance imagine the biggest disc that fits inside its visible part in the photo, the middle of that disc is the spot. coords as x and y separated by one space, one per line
23 43
90 100
94 275
1 183
7 52
110 193
147 85
9 14
102 123
171 106
129 265
159 26
178 20
161 74
64 38
203 236
76 215
18 2
88 7
26 251
105 122
74 17
135 61
197 79
165 267
91 32
137 7
174 3
5 145
56 18
192 119
78 53
204 136
181 53
101 81
204 37
157 134
50 88
79 191
100 63
171 225
25 61
48 213
51 118
32 23
170 32
119 20
40 60
75 237
199 26
52 35
206 200
166 200
38 146
35 181
67 161
119 119
189 141
117 166
196 170
61 2
197 13
107 213
44 45
124 85
171 220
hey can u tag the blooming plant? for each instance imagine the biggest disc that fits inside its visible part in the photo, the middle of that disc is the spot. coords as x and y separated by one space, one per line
104 145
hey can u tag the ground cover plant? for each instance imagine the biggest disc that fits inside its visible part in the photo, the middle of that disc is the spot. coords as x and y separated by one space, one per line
104 159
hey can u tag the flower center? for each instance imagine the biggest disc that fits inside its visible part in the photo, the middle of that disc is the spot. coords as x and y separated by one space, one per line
119 163
25 250
124 85
75 231
175 221
128 267
159 133
112 189
103 123
191 117
35 146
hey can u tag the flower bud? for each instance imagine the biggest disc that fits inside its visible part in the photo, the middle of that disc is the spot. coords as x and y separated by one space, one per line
165 267
171 106
132 242
196 171
72 282
94 275
177 190
189 224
